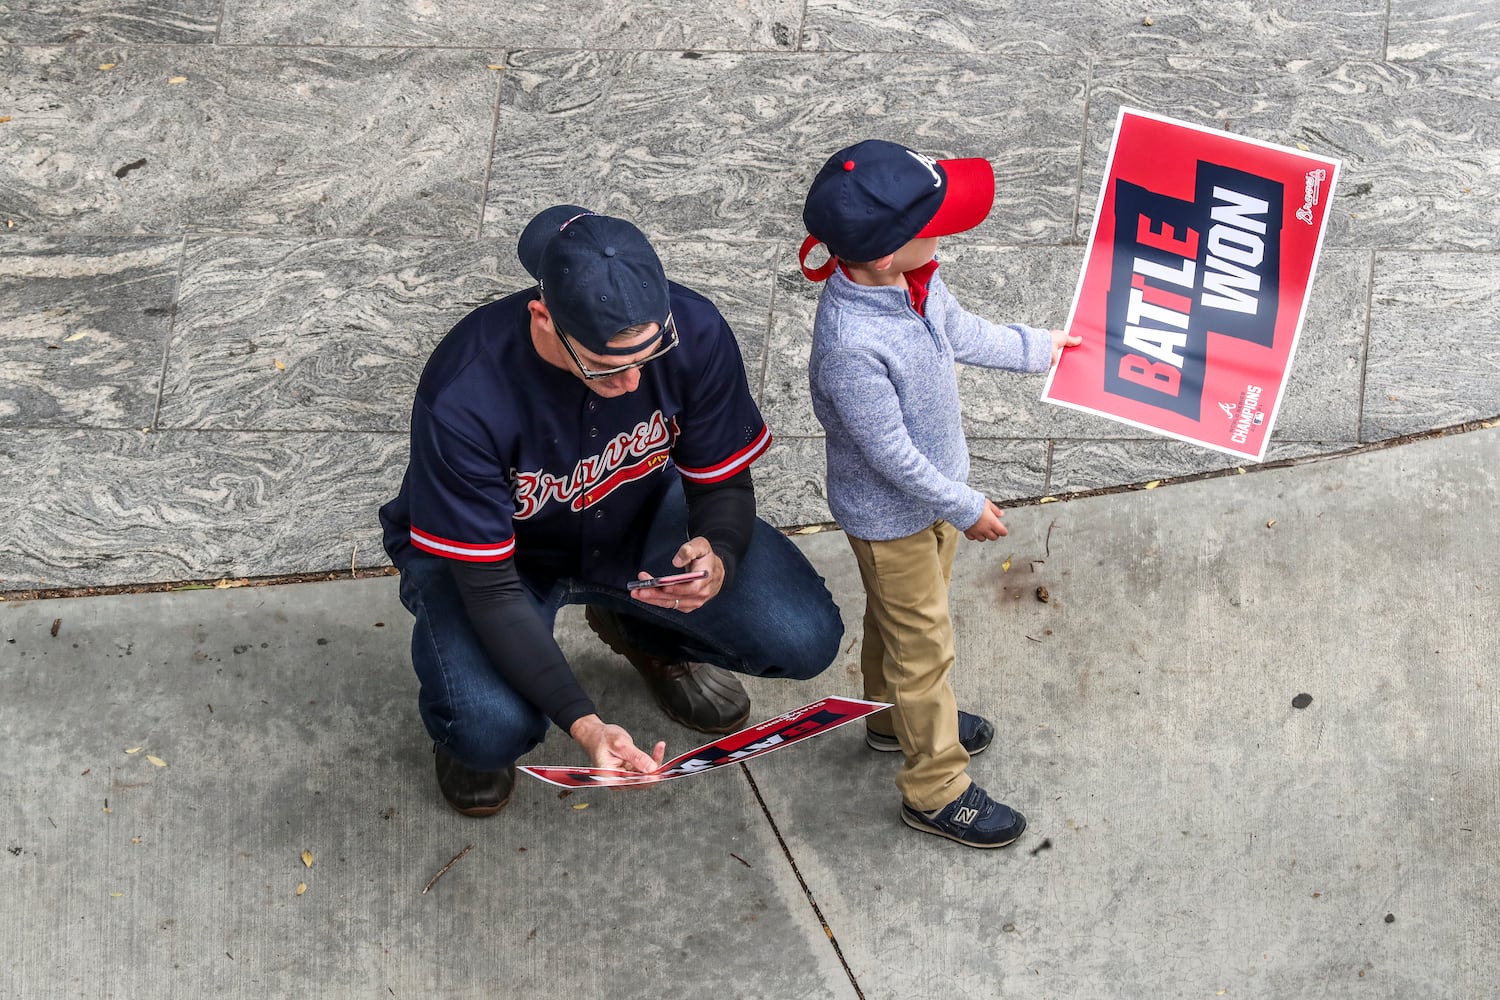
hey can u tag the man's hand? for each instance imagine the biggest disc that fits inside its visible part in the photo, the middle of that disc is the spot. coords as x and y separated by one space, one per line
694 555
1061 340
988 527
610 746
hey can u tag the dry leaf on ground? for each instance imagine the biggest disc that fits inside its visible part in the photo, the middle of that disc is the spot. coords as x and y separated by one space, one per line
178 79
301 888
135 750
307 859
156 760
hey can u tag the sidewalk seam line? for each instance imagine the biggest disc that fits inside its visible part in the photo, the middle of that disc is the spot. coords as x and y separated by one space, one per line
1364 354
166 348
1083 151
489 163
765 354
817 911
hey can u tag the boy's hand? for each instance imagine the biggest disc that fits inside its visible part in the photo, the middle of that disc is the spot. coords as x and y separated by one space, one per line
1060 339
988 527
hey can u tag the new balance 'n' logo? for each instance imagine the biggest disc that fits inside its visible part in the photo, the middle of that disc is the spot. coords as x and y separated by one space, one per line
965 815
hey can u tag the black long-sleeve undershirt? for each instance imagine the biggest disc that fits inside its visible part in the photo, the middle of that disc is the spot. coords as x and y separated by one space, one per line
524 651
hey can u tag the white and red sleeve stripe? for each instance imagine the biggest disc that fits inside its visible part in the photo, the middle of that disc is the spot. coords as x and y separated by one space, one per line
732 465
440 546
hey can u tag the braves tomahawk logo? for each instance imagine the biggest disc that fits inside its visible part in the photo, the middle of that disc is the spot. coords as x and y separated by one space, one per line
629 456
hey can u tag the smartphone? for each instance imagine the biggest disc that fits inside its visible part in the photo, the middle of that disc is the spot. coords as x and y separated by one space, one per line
662 581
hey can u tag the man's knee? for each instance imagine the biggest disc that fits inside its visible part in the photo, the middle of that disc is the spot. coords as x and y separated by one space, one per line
804 647
493 742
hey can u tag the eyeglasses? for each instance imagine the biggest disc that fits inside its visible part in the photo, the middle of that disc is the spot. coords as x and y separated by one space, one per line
667 342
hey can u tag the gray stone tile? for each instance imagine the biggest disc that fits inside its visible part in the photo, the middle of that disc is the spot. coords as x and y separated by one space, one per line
791 483
43 22
1093 465
739 280
352 322
112 507
1434 356
1110 28
1007 469
787 396
1322 394
590 24
1031 285
83 329
722 147
282 141
1420 142
1446 31
279 334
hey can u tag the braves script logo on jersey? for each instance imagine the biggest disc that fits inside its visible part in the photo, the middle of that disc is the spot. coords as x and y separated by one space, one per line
626 458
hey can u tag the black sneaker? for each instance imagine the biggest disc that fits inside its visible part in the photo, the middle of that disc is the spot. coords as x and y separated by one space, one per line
697 695
973 819
471 792
974 732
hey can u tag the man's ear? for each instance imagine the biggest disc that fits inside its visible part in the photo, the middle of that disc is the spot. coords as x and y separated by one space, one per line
884 263
539 312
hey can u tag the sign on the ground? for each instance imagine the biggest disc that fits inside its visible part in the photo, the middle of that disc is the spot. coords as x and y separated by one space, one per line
1194 283
773 734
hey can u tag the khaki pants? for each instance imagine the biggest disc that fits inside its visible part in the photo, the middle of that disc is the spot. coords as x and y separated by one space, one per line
907 654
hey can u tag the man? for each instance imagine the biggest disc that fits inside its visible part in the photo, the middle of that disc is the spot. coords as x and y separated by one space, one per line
568 439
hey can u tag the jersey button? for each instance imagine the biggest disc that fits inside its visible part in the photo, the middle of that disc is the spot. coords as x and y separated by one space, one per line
593 432
596 553
598 515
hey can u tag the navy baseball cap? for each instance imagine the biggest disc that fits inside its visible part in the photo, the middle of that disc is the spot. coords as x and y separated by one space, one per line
598 275
874 197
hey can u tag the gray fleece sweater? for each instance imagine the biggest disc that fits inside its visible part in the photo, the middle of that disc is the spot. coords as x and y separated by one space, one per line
884 388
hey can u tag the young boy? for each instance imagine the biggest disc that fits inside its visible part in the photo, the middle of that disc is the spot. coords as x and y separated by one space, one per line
885 341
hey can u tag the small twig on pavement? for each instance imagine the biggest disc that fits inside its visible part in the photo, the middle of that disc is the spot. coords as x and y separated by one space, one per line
1049 537
444 870
740 860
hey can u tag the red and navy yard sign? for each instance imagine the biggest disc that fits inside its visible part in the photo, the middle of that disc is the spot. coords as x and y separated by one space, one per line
1194 283
760 739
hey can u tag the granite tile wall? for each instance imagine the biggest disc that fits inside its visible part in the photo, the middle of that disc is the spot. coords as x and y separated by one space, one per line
241 225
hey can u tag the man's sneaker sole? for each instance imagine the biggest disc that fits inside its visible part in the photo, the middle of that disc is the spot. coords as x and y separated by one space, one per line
917 824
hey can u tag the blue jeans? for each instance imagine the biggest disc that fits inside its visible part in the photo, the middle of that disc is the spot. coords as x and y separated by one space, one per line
777 620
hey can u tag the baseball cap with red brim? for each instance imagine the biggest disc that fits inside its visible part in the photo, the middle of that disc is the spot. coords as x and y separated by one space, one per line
874 197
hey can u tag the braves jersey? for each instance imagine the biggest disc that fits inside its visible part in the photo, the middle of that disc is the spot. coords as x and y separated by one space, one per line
513 458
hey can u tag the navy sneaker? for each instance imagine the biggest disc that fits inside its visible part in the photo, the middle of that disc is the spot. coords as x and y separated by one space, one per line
973 819
974 732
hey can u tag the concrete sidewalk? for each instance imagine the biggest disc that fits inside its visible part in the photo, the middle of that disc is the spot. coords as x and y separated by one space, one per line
1193 834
